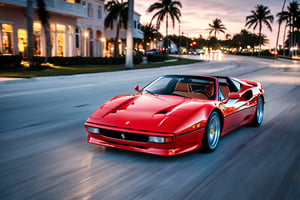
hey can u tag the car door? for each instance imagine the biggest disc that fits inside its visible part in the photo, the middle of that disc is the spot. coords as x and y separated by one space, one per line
235 109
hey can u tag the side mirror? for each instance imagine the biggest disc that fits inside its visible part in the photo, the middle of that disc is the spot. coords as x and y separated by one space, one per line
137 88
234 96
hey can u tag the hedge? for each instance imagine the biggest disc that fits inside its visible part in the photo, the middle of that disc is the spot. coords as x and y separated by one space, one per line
15 61
262 53
62 61
10 62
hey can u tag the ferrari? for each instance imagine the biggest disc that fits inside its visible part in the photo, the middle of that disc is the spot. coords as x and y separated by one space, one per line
175 114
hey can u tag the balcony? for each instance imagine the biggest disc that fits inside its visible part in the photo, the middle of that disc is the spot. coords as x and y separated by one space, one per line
137 33
56 6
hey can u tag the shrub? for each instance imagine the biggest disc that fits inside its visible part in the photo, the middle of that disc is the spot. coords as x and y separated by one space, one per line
137 59
10 62
37 63
62 61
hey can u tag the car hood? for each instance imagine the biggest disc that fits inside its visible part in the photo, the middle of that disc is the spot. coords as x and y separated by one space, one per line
154 113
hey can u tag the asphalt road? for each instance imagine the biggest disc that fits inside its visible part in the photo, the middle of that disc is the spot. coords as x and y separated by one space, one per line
44 153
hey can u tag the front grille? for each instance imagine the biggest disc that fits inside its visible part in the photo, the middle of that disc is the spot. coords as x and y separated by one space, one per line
124 135
141 147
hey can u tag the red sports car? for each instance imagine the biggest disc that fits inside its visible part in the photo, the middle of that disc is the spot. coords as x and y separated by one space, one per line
175 114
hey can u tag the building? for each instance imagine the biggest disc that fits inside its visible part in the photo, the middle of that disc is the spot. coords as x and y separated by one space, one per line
76 26
90 30
63 21
138 36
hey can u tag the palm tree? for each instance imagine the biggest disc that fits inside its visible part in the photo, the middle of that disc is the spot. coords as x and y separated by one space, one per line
279 25
150 33
217 27
118 13
44 17
30 31
290 17
166 8
228 36
261 15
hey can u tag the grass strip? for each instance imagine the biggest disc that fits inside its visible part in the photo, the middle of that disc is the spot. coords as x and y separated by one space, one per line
79 69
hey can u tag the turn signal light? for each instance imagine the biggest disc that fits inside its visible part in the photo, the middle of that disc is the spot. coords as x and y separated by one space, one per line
157 139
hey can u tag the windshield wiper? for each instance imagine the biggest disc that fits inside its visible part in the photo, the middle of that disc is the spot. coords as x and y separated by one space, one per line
150 92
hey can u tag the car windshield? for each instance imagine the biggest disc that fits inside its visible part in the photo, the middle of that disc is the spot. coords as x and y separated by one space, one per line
185 86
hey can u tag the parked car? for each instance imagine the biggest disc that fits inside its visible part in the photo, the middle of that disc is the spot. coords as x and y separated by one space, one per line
153 52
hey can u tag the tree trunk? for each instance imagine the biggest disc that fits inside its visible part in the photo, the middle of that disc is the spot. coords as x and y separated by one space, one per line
129 40
260 27
276 56
30 31
48 41
116 44
167 32
284 33
145 45
291 36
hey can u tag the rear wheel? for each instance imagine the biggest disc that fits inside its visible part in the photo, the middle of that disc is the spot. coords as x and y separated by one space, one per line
212 133
259 113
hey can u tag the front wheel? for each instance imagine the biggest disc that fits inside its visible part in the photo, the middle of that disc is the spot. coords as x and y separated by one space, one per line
212 133
259 113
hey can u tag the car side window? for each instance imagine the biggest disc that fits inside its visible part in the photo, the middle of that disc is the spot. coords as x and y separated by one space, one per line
237 85
221 95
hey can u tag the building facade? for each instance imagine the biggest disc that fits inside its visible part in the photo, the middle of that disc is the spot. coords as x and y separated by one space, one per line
138 36
76 29
90 39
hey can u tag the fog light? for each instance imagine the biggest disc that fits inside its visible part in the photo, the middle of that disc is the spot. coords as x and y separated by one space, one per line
156 139
93 130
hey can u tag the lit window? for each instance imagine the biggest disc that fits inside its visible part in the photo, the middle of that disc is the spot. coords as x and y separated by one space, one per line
7 27
37 26
52 27
60 28
22 41
7 38
37 39
90 10
70 29
60 44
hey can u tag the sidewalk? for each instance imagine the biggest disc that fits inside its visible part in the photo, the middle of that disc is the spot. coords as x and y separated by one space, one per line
2 79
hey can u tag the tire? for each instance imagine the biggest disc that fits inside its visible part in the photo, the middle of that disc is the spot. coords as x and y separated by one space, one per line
259 113
211 133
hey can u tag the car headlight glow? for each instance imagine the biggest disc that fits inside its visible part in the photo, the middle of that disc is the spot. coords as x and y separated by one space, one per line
93 130
157 139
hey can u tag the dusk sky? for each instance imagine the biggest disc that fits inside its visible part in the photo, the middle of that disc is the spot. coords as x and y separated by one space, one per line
197 14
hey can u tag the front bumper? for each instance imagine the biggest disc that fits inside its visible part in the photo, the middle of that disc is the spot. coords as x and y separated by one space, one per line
181 143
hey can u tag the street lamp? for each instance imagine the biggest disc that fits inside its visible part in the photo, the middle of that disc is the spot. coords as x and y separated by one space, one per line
86 35
103 45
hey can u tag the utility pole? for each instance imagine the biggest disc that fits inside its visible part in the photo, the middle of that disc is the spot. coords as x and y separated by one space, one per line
129 40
